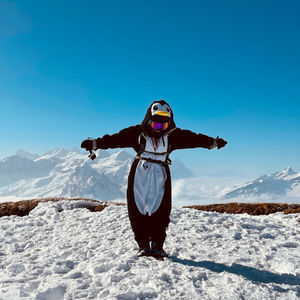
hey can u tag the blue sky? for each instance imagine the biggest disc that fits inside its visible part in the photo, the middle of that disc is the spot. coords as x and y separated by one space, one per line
72 69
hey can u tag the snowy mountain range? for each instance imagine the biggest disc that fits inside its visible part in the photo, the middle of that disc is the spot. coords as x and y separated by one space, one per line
71 174
64 173
280 183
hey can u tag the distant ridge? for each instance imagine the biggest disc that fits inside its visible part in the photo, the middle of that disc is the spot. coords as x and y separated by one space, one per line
65 173
278 183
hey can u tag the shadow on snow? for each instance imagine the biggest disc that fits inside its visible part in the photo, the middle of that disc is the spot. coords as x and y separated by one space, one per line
247 272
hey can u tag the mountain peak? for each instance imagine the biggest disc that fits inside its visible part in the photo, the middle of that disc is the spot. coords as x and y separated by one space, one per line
285 172
179 170
58 151
278 183
289 169
61 172
25 154
55 153
121 155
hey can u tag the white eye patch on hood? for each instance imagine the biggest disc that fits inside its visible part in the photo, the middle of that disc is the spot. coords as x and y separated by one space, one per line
160 109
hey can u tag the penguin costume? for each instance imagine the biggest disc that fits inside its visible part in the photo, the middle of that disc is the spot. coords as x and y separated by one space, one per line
149 180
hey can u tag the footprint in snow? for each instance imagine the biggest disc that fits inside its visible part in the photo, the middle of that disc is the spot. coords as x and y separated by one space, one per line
290 245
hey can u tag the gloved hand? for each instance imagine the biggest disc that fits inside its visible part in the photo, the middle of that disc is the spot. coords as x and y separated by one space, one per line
89 144
220 142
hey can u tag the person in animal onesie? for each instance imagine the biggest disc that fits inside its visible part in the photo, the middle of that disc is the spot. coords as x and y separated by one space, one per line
149 180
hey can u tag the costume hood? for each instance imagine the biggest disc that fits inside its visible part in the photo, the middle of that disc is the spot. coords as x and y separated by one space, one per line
158 111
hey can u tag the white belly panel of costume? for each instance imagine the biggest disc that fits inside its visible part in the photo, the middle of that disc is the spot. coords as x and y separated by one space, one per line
150 178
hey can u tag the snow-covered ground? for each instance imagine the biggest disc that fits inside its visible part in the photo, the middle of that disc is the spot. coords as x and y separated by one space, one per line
63 252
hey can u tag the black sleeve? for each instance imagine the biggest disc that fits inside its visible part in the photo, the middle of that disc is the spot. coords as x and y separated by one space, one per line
127 137
181 139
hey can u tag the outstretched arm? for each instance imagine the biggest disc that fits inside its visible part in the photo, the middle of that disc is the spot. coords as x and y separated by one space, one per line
127 137
181 139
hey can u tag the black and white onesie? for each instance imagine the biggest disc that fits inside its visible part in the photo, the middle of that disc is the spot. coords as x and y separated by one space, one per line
149 180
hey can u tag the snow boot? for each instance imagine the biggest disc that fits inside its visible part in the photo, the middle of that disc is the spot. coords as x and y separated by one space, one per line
157 251
144 251
144 248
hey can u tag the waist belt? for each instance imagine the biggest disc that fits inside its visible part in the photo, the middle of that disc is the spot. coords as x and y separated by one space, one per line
155 161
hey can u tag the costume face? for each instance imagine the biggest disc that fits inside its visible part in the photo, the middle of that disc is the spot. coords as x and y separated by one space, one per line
158 119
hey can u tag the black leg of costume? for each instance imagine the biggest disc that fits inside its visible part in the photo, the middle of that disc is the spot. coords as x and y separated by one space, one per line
149 228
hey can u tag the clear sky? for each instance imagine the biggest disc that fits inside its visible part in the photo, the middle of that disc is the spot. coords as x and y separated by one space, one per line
73 69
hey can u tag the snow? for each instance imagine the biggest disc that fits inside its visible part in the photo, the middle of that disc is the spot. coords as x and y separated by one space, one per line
61 251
